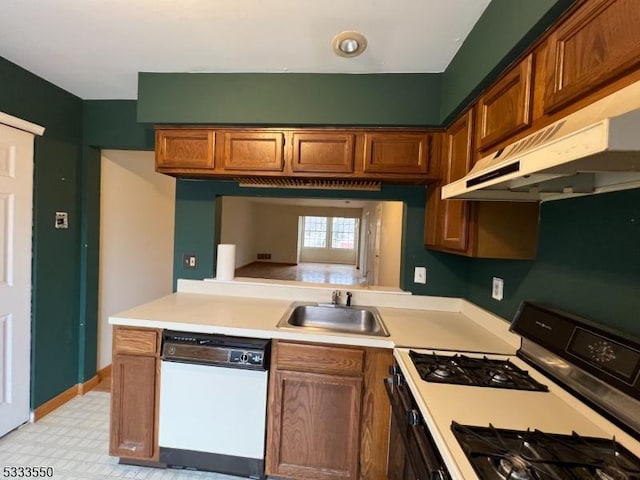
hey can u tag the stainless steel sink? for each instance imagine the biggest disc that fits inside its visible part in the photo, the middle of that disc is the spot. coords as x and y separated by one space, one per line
334 318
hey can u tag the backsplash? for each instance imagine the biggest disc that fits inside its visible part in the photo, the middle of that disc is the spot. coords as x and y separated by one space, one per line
588 263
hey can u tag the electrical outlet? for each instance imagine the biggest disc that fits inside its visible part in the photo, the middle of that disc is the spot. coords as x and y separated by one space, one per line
420 275
190 260
497 288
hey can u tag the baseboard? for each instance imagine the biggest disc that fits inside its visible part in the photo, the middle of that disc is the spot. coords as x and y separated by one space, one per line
104 372
54 403
64 397
88 385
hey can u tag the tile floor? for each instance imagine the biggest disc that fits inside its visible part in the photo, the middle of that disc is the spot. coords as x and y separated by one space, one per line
74 440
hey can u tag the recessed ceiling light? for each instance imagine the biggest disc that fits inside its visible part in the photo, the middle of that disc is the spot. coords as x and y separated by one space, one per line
349 44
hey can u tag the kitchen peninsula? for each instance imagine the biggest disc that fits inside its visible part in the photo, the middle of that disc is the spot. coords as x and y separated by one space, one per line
356 363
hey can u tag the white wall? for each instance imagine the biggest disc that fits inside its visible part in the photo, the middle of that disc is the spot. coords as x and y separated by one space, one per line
238 226
390 244
136 237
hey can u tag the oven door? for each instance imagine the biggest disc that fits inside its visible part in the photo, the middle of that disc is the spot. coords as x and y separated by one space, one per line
412 454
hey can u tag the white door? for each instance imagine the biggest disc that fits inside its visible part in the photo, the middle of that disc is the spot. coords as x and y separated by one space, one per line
16 190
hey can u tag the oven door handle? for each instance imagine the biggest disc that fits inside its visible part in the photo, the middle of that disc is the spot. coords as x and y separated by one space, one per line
426 446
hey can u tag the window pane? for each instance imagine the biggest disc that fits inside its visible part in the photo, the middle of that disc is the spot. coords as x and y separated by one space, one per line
343 233
315 232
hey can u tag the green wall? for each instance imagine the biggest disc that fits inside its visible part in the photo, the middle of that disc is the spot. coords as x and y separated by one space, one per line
505 30
196 231
55 331
588 263
289 98
108 124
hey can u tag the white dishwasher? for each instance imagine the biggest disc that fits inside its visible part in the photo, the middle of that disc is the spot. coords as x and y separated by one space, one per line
213 401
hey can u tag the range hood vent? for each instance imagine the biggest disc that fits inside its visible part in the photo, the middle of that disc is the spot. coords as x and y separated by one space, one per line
594 150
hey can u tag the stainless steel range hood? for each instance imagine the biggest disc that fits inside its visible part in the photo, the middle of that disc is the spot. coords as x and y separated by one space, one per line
596 149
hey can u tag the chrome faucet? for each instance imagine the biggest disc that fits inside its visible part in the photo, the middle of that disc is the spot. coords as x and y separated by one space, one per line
335 295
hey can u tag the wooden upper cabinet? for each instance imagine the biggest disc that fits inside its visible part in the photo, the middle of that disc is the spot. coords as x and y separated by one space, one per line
597 44
323 152
253 150
184 149
396 152
456 163
506 107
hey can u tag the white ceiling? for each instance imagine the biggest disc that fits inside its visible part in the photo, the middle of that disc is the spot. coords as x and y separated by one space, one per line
95 48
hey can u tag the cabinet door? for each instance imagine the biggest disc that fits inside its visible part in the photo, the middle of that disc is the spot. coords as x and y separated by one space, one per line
432 227
184 149
133 407
313 426
598 43
253 151
506 108
329 152
396 152
455 214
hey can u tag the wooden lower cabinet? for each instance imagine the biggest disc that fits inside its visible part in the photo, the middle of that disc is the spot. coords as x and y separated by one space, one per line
331 424
134 404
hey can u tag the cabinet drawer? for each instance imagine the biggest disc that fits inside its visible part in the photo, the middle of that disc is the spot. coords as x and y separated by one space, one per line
133 341
319 359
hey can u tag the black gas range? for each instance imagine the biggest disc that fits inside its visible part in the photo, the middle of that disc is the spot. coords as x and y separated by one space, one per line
568 382
459 369
523 455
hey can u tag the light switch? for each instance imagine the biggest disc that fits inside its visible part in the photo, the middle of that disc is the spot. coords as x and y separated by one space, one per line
62 220
420 275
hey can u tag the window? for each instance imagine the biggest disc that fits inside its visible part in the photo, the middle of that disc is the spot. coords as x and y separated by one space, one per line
343 233
315 232
329 232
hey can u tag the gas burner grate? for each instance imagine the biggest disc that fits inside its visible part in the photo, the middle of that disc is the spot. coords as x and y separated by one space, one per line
481 372
501 454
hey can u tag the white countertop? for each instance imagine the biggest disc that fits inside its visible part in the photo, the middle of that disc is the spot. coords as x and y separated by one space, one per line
248 311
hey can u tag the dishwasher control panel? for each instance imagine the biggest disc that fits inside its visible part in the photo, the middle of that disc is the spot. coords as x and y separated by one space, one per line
246 357
218 350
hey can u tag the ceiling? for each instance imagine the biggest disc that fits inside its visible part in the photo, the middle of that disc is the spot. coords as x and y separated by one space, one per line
95 48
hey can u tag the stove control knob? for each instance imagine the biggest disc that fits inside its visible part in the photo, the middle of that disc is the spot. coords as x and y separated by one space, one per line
394 369
439 475
414 417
